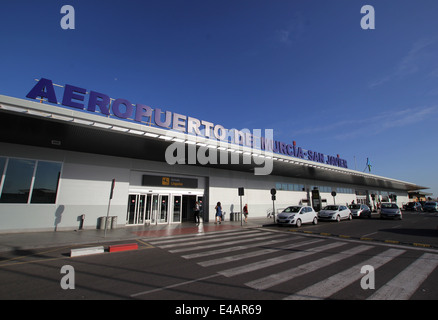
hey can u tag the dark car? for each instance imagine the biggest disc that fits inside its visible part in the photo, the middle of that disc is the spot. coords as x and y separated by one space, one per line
431 206
360 211
390 210
413 206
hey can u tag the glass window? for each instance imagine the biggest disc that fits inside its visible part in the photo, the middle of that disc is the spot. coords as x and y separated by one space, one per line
46 182
2 166
17 182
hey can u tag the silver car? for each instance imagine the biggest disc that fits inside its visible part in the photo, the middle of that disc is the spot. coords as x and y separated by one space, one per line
390 210
360 210
335 213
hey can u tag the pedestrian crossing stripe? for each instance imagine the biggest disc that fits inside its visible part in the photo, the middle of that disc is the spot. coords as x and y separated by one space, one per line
408 281
247 255
235 241
339 281
277 278
237 248
280 259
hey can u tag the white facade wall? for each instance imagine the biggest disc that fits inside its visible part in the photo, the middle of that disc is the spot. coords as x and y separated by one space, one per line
86 180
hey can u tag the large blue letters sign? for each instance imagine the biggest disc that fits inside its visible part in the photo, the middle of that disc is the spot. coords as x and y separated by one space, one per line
100 103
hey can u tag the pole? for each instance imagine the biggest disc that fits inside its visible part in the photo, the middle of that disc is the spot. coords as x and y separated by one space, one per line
109 205
241 212
273 208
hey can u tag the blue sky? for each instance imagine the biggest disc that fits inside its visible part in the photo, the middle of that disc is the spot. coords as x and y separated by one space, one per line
303 68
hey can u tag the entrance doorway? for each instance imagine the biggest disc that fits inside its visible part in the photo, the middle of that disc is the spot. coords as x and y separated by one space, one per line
157 208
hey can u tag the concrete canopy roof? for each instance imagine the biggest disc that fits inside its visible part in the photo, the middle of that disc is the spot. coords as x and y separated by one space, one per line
45 125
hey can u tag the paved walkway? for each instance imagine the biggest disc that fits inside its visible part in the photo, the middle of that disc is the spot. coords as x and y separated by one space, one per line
35 240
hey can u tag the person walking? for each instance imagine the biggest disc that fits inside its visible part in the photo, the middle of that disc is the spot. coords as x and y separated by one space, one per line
245 212
218 212
196 212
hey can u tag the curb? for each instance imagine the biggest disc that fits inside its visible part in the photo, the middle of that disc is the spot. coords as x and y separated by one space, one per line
80 252
123 247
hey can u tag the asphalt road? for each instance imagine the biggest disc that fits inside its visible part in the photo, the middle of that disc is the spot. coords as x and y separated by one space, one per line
419 228
247 265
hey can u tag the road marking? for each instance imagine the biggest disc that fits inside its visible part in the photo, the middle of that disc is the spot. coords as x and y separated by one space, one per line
404 285
274 279
424 245
339 281
145 245
277 260
173 285
368 234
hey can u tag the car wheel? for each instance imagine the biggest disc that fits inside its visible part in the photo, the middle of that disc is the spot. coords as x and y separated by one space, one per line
338 218
315 220
298 223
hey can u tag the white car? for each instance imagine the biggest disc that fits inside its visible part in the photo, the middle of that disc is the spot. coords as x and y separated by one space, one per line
297 215
335 213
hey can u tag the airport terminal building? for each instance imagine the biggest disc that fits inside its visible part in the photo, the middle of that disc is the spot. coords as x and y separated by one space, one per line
70 156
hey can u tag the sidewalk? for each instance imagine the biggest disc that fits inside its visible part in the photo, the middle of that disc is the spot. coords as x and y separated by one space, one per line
34 240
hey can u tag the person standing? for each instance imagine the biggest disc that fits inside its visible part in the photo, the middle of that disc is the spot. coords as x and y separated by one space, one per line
245 212
218 212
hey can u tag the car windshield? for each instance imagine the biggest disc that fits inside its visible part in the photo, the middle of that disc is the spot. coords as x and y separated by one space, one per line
354 206
331 208
431 203
389 206
292 209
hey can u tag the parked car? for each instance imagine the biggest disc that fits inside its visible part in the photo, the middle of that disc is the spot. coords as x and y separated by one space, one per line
430 206
413 206
335 213
297 215
360 210
390 210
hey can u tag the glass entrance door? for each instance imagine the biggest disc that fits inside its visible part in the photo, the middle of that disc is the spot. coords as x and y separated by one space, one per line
154 209
148 211
150 208
163 209
136 209
176 209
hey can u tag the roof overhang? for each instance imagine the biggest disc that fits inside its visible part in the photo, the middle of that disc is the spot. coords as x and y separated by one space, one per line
45 125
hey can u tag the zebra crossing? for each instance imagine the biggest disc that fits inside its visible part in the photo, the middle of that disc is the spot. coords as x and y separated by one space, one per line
299 266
